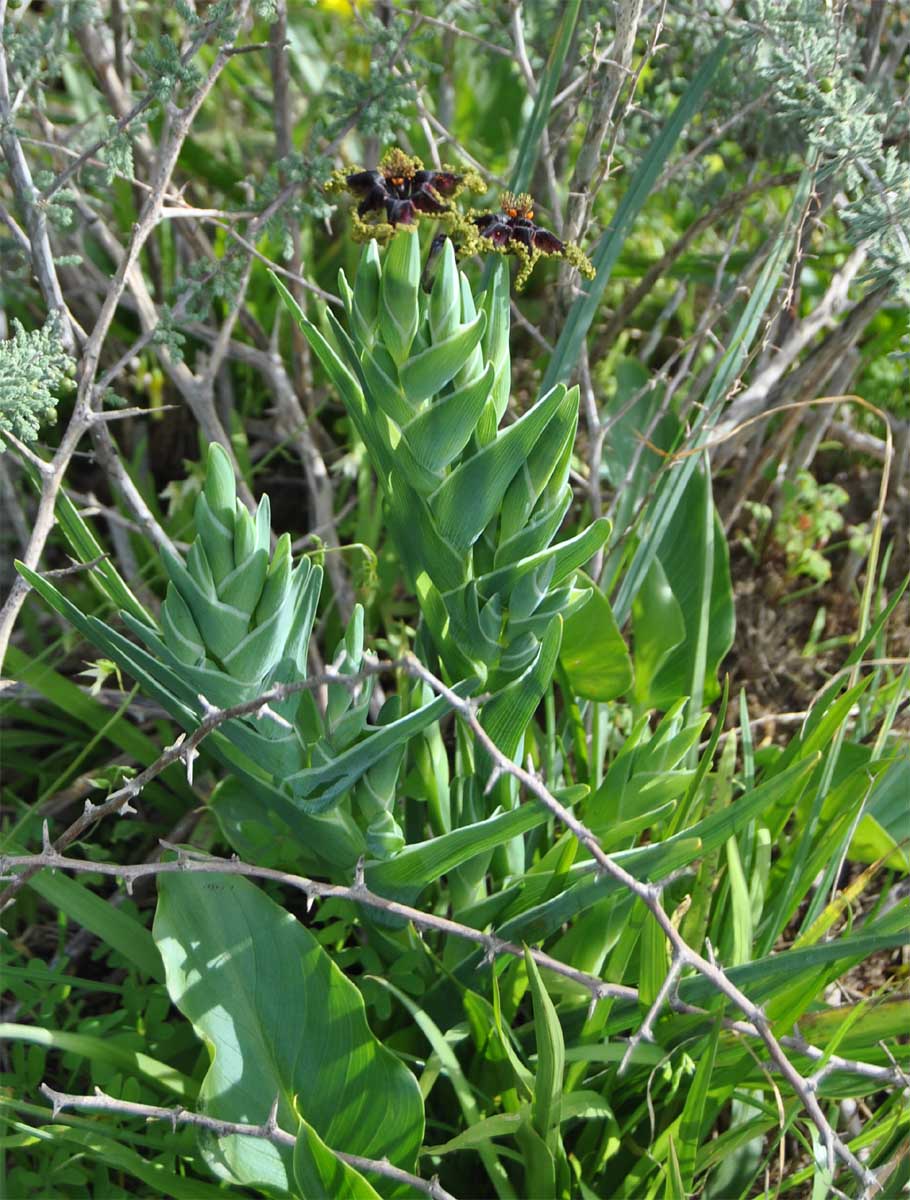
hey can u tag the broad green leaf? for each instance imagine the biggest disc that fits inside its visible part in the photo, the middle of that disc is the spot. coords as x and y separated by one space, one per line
696 567
593 652
320 1175
658 629
237 967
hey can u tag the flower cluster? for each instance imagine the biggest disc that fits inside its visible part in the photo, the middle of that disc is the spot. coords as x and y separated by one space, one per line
402 190
513 231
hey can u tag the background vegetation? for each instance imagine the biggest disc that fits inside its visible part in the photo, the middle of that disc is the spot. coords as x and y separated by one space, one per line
515 801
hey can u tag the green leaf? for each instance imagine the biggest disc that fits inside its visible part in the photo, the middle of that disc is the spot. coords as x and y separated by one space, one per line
674 1188
320 1175
322 786
529 149
740 916
468 499
108 1050
593 652
399 309
696 566
237 967
422 863
84 1140
425 374
439 433
505 718
884 828
86 548
691 1125
550 1058
654 960
84 708
116 928
652 862
662 508
659 627
463 1091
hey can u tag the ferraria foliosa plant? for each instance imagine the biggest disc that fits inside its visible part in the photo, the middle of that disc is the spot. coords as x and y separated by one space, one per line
236 622
473 501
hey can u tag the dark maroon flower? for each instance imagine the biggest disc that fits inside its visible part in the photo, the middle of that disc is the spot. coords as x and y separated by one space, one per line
401 188
514 225
513 230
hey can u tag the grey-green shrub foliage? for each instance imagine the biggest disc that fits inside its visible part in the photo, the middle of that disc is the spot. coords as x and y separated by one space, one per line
34 367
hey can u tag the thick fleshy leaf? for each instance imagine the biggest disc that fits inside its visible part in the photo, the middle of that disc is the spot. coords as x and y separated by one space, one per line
546 456
425 374
505 718
399 308
495 304
381 377
445 298
468 498
425 862
439 433
365 294
280 1020
320 786
567 557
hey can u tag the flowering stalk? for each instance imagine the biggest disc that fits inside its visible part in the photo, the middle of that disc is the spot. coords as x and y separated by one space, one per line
472 505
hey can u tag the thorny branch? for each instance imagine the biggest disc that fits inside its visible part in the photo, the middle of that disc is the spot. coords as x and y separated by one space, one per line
268 1131
84 417
195 862
649 893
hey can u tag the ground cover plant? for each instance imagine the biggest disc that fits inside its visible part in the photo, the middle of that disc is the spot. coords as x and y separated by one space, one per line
455 631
